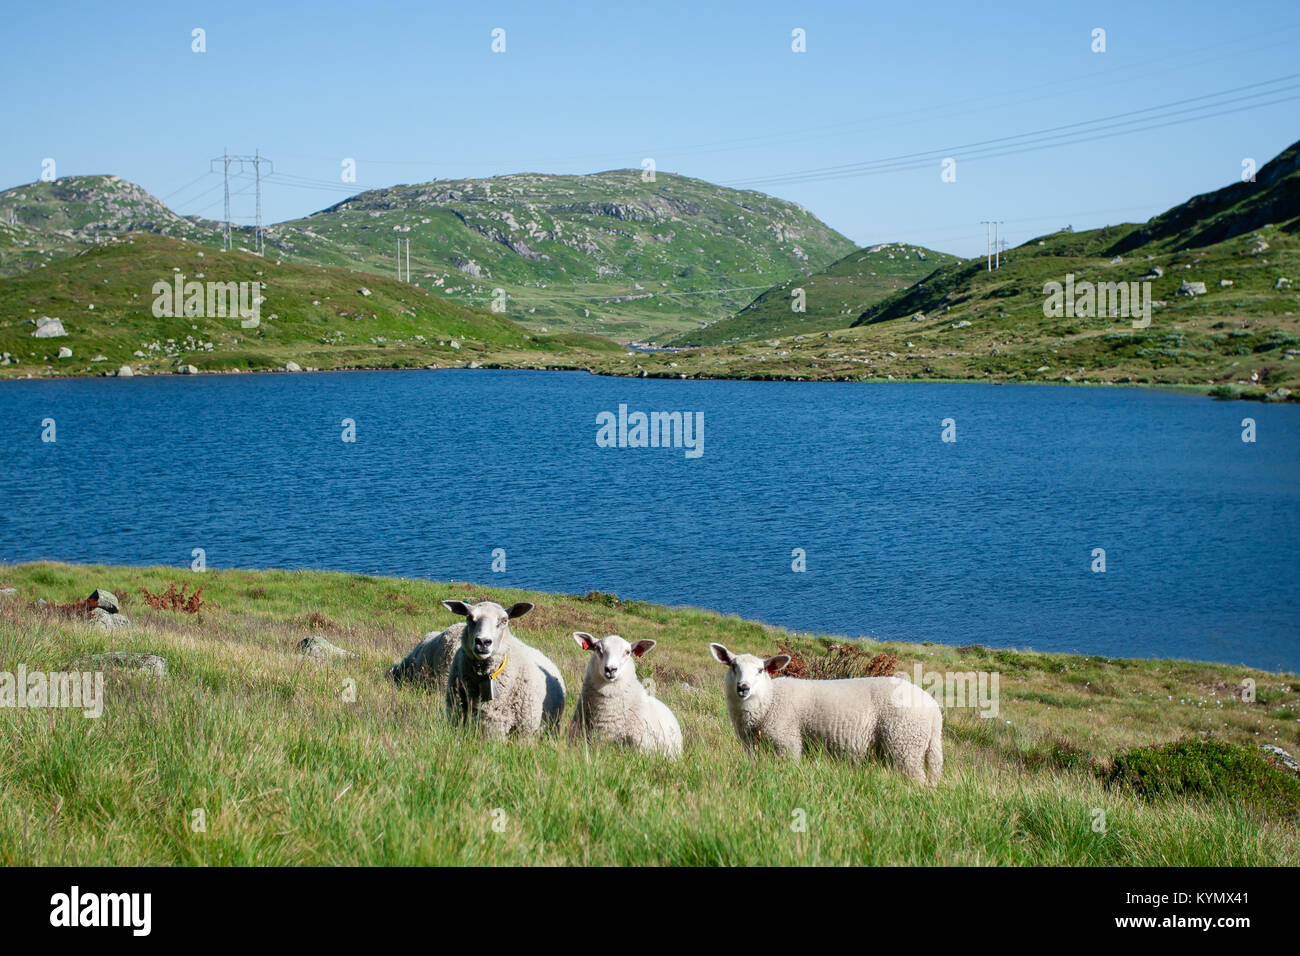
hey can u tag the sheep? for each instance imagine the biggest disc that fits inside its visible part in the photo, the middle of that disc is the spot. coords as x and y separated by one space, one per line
496 680
615 706
886 715
429 662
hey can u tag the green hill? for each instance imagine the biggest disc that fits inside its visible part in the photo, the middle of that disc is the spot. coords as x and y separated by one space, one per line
316 316
604 253
833 297
1221 270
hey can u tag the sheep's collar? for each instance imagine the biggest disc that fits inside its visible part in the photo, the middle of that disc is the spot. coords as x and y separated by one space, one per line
484 688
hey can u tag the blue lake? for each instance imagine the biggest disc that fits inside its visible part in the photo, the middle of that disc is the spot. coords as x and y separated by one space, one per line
987 540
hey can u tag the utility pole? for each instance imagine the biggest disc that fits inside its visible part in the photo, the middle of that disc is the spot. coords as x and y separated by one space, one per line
988 242
399 260
256 161
408 261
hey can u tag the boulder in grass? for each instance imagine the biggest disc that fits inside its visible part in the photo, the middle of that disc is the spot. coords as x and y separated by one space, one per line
123 661
48 328
1280 757
125 372
108 620
319 649
105 599
292 367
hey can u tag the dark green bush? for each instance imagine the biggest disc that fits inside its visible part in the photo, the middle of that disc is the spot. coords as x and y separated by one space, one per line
1205 768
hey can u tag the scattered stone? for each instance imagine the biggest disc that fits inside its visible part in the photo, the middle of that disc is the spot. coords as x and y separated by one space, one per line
364 291
1225 283
1278 395
319 649
1043 368
104 358
123 660
1155 273
108 620
187 370
8 592
1281 283
48 328
65 352
292 367
105 599
1282 757
918 317
474 365
960 325
1191 288
125 372
454 344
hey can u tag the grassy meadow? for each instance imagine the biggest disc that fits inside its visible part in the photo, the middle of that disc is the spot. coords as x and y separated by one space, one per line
296 761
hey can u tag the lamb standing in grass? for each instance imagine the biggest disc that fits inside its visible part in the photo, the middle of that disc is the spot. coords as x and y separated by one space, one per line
885 715
429 662
496 680
615 706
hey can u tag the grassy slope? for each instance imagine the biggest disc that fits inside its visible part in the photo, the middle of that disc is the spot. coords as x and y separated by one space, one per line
313 315
289 772
834 297
604 253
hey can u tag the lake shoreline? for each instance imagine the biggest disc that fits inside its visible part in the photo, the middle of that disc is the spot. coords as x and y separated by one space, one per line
1188 387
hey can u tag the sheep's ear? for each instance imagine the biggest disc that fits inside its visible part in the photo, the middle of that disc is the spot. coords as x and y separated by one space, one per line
774 665
519 610
585 640
641 648
721 653
457 607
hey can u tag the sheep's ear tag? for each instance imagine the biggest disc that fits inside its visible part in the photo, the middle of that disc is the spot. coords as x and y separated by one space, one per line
487 690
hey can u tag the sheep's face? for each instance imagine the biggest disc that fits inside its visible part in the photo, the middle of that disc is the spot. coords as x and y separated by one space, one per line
612 658
487 625
749 678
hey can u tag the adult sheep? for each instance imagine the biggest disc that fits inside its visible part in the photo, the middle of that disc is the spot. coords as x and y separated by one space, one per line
496 680
885 715
614 705
429 662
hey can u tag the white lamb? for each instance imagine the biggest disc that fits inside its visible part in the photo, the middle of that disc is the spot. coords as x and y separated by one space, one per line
888 716
496 680
615 706
429 662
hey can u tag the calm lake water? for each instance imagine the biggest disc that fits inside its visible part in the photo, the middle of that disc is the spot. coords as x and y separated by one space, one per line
986 540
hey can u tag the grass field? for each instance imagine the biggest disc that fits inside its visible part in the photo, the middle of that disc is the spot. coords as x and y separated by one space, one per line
287 769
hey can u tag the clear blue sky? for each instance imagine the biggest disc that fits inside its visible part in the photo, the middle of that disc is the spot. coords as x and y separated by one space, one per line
413 92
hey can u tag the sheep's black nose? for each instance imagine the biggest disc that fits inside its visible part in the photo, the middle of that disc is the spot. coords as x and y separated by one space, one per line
610 672
743 688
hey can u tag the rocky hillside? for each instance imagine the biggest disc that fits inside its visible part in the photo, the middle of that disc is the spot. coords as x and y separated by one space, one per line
605 253
832 298
45 221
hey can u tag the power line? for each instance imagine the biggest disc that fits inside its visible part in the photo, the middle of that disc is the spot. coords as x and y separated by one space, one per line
905 160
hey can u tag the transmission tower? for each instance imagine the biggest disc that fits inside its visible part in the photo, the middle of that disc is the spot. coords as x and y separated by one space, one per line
256 161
